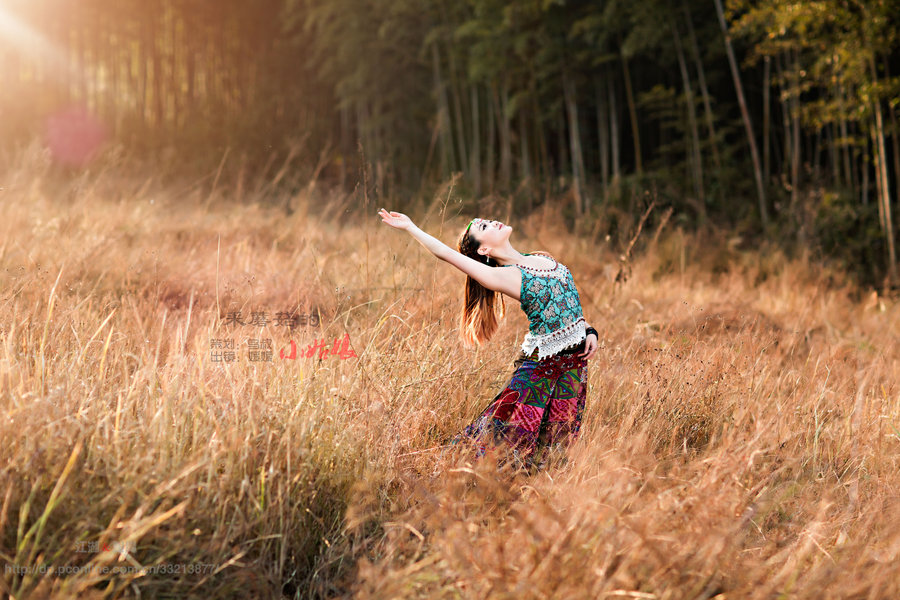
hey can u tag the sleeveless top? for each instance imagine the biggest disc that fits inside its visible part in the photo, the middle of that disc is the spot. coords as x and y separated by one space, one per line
550 300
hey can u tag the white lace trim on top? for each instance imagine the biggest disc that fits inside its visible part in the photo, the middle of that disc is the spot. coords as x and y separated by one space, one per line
554 342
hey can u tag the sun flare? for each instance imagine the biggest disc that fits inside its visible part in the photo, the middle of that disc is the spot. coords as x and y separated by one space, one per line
14 32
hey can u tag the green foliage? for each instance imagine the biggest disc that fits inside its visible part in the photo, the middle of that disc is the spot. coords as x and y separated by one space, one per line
512 94
830 49
847 233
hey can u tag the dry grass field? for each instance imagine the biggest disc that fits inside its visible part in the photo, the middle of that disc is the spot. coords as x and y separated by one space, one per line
741 438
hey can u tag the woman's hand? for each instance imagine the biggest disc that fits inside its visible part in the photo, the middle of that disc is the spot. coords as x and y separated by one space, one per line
395 219
590 346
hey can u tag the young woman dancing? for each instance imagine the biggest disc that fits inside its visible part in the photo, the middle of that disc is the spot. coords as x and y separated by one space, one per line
543 403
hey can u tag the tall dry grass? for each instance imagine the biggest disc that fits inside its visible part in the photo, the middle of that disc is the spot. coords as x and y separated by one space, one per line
741 439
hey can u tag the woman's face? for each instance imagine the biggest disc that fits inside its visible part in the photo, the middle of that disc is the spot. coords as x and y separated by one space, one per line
490 234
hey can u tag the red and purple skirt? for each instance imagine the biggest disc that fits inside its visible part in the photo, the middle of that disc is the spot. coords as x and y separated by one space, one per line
541 407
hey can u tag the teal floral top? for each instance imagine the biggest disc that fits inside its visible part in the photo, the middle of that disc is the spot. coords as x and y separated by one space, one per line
550 300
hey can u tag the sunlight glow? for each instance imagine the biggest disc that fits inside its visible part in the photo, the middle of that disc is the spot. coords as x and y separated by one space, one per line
72 134
17 35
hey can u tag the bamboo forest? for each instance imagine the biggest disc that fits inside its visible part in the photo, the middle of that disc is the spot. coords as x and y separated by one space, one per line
780 116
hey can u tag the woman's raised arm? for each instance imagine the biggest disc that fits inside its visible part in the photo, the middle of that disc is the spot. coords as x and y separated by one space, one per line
506 281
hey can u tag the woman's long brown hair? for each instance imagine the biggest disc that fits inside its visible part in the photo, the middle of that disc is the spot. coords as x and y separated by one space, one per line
483 308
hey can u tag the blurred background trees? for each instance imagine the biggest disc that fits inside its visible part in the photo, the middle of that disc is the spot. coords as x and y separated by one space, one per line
773 116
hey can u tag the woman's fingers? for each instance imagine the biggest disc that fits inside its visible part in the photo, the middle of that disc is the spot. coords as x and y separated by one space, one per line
386 214
387 217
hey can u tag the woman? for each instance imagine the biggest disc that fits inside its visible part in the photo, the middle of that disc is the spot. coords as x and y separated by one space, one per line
543 403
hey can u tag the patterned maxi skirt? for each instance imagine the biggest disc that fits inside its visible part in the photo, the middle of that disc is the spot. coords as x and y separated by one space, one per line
540 408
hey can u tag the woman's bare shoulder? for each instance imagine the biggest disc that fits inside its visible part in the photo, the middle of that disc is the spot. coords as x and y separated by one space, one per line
542 253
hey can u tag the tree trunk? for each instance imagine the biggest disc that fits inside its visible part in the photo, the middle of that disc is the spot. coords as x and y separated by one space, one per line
614 134
458 113
540 135
500 103
190 50
81 63
602 134
174 75
570 97
895 142
443 114
694 158
704 89
562 155
632 111
834 156
345 150
784 97
864 176
364 142
490 147
849 174
112 66
817 155
767 118
795 131
524 161
67 72
143 45
745 114
475 154
881 171
155 39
